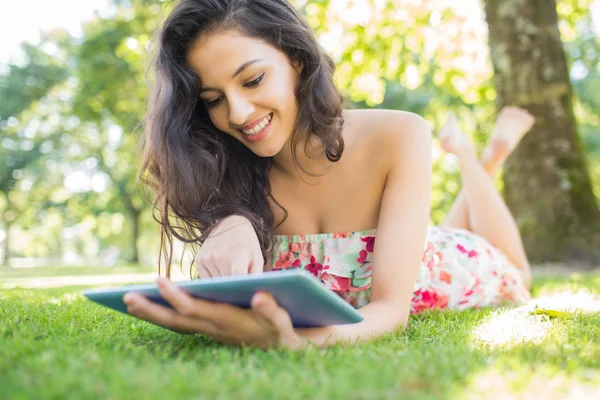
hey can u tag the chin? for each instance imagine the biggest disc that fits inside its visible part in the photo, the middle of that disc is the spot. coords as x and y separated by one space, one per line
265 152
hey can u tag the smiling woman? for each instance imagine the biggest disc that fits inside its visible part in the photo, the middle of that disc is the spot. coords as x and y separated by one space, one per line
254 105
241 86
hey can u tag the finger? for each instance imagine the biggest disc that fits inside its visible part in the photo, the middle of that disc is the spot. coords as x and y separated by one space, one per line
255 267
147 310
239 263
221 262
265 304
210 269
203 272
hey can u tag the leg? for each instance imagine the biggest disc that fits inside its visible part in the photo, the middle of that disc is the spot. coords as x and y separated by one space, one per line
458 216
510 127
487 213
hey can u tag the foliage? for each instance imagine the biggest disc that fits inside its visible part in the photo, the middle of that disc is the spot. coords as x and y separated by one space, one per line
427 57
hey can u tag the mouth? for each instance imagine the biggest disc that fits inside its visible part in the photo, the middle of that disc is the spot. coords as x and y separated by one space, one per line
259 131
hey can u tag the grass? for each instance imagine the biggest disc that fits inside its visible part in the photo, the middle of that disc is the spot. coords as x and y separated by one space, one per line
56 344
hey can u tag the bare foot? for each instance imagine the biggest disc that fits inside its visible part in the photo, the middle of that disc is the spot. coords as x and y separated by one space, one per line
512 124
453 140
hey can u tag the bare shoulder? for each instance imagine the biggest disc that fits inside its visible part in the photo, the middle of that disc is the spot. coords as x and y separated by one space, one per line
385 131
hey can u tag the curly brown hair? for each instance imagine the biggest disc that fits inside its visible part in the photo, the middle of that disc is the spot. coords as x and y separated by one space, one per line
200 175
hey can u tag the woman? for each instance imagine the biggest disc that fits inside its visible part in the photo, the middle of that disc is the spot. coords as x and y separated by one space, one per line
247 142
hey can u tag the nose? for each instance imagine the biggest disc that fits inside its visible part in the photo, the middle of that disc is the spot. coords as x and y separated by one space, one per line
240 109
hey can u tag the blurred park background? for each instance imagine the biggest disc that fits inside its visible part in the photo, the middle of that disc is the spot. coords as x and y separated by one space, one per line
73 93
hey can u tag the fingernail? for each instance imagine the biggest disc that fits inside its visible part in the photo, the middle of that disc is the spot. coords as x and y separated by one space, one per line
129 299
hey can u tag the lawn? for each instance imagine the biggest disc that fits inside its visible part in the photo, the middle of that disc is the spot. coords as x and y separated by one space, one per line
55 344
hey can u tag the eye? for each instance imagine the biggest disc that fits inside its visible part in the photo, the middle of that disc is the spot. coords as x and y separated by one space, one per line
213 103
251 84
255 82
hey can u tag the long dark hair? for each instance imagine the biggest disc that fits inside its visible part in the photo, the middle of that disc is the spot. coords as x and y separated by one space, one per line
199 174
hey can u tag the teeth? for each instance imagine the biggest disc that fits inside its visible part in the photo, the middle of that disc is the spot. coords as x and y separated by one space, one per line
258 127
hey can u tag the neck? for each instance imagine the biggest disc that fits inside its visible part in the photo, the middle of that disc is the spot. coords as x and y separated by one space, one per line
313 160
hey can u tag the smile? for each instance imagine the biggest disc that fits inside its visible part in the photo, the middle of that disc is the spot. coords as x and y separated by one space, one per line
258 127
259 131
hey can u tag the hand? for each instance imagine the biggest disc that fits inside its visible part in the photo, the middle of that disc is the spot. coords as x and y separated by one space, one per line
232 248
265 325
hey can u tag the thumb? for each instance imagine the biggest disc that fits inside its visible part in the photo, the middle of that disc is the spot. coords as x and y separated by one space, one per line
265 305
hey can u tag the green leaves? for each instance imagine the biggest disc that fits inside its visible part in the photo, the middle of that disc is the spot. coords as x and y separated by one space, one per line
28 81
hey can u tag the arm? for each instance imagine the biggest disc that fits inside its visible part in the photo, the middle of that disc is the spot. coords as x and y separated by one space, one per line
401 233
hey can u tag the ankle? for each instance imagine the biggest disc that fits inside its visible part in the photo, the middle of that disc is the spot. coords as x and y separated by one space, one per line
492 170
467 156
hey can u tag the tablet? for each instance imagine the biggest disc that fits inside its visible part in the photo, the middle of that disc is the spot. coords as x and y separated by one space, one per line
300 293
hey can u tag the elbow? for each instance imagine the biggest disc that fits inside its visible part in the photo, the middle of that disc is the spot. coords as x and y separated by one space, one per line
399 324
392 315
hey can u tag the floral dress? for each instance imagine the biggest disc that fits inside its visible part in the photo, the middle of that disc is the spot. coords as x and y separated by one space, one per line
459 269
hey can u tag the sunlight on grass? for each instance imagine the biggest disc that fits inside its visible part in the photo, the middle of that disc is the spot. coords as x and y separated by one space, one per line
582 301
67 298
531 323
63 281
512 327
491 385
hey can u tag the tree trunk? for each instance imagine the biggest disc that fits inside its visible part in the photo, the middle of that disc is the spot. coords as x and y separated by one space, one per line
8 217
135 220
546 180
6 260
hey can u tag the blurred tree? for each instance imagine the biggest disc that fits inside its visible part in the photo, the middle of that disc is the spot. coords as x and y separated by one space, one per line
109 65
547 184
418 56
582 46
23 85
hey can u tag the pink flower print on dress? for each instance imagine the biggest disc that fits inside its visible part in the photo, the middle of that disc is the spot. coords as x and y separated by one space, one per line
305 252
362 256
429 299
440 255
445 277
341 235
287 259
337 283
314 267
295 247
469 253
370 241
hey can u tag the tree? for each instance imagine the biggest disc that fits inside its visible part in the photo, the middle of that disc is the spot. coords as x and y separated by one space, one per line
546 182
109 64
21 86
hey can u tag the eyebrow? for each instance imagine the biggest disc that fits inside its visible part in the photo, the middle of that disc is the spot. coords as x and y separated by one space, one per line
236 73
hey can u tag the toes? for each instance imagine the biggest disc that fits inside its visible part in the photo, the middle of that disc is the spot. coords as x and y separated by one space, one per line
517 113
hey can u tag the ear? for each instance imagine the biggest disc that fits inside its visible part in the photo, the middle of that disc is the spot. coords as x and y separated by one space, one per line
298 66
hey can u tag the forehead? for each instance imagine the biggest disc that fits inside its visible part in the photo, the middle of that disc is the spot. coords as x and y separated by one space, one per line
217 55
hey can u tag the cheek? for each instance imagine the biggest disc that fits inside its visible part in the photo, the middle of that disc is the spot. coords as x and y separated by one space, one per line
282 96
285 91
219 119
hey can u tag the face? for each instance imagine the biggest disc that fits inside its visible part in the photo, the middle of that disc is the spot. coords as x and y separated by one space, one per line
248 88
